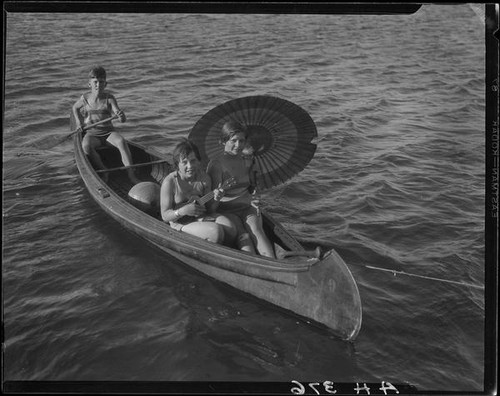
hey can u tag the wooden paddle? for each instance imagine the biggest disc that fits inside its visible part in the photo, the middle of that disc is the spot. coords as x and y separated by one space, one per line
52 141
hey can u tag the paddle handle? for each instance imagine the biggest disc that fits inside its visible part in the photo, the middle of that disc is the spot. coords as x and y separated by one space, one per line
85 127
51 141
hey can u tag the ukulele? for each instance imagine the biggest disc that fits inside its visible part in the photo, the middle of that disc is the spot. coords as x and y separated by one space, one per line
207 197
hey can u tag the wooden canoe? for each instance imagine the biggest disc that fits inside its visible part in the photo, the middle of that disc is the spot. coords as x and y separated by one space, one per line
321 291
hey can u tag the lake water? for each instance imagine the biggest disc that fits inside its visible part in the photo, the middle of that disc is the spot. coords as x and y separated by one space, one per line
397 182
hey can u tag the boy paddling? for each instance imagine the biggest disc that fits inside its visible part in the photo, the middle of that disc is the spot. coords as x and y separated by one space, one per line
95 106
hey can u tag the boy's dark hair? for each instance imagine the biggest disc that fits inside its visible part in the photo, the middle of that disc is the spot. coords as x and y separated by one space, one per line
183 149
97 72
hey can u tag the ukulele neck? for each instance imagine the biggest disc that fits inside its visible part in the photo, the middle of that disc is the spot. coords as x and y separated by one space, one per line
203 200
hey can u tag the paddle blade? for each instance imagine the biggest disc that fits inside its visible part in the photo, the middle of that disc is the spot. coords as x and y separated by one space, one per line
50 142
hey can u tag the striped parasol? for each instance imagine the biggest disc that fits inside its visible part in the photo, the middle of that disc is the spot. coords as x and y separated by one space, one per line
279 135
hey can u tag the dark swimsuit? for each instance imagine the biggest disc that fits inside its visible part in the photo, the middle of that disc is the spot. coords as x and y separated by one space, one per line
199 189
237 199
101 111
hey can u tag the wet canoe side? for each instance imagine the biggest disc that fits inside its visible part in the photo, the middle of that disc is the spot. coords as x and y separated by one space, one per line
326 294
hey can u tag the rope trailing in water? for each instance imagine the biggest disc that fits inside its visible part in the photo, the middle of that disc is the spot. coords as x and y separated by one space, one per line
395 272
426 277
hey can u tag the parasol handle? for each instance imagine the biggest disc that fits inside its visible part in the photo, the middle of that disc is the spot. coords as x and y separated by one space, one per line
256 203
256 200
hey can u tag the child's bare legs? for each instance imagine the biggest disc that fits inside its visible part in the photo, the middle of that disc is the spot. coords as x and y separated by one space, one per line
121 144
243 239
264 246
208 230
229 223
89 145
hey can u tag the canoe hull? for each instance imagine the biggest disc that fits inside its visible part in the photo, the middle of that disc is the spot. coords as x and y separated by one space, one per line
322 291
313 295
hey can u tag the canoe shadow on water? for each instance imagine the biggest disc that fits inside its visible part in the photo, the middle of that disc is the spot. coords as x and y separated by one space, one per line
251 338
